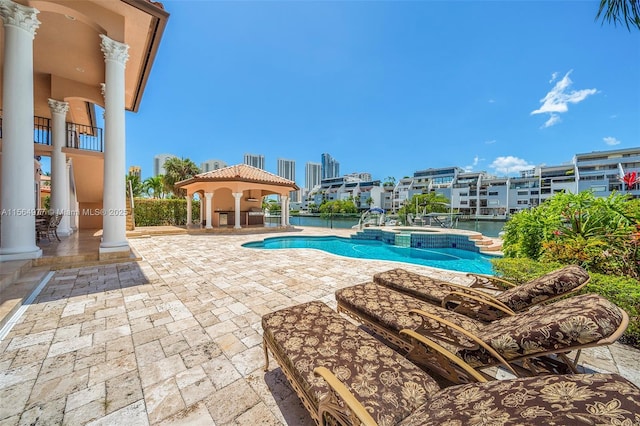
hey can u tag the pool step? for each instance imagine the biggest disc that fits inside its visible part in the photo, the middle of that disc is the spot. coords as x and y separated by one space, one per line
403 240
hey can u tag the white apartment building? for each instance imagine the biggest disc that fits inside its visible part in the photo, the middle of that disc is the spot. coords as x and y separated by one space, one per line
312 175
254 160
158 163
287 170
210 165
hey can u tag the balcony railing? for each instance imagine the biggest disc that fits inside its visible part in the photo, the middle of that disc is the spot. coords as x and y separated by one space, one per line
78 136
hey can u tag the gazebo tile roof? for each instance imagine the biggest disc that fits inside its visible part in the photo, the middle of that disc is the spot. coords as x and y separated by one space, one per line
242 172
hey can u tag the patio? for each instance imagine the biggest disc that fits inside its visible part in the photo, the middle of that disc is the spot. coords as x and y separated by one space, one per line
175 337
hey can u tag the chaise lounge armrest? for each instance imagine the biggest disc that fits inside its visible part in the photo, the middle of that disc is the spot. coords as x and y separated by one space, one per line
481 307
490 282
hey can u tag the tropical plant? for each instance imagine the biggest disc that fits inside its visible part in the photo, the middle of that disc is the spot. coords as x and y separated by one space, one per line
153 186
601 234
431 202
625 12
133 182
176 170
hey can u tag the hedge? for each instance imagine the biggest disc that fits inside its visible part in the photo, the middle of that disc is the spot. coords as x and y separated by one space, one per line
161 211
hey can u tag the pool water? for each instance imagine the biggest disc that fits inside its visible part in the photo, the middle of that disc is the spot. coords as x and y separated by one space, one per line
444 258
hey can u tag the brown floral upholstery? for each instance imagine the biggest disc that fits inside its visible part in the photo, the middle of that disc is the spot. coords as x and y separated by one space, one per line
312 335
420 286
544 288
555 328
395 392
581 399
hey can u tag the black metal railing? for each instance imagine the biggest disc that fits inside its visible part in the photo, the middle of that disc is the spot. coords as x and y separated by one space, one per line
78 136
84 137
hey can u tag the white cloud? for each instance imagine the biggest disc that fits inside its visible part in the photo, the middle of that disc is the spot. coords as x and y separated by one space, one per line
558 99
554 76
491 142
510 164
476 160
553 119
610 140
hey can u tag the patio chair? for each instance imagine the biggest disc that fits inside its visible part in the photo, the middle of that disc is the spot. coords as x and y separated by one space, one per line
52 228
532 342
488 297
344 376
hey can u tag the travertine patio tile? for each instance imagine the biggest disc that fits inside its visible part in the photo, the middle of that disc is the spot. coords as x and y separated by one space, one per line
231 401
31 339
249 360
200 354
131 415
122 391
230 344
221 328
13 399
84 396
111 368
111 334
221 371
70 345
28 355
45 413
149 353
194 415
57 366
161 370
59 387
20 374
163 399
180 325
84 414
142 337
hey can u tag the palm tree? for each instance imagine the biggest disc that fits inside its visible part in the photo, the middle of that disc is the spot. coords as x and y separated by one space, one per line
625 12
136 186
153 186
176 170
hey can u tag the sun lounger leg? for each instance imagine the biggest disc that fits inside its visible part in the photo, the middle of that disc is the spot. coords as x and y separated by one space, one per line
266 355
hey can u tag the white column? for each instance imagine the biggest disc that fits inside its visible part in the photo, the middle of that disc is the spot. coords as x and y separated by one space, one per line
114 232
208 196
283 210
18 202
202 209
238 197
189 196
59 171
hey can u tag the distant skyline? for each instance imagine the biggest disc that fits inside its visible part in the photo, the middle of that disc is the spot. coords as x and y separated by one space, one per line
388 88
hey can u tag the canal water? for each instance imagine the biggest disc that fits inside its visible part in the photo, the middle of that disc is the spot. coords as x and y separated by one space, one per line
488 228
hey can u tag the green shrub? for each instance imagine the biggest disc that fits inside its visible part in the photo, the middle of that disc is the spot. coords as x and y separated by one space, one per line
620 290
159 212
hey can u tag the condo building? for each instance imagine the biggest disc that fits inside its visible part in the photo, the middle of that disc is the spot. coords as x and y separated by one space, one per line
312 175
287 170
330 167
210 165
158 163
254 160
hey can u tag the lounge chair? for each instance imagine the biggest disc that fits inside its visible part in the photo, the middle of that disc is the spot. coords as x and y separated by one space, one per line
532 342
345 376
503 297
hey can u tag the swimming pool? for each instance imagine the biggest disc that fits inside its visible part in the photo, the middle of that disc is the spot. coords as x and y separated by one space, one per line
444 258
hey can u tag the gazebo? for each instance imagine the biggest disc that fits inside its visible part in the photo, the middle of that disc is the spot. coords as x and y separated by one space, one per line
232 196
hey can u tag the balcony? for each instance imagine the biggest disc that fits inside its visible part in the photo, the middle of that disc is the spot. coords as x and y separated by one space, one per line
78 136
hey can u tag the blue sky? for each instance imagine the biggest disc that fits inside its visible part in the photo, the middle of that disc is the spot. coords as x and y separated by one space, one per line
389 87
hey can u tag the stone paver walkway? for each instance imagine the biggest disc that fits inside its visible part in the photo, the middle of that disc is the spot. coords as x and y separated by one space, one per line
176 338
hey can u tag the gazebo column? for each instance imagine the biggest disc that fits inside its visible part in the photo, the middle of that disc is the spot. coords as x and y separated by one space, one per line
114 230
284 210
18 201
238 197
208 196
59 169
189 196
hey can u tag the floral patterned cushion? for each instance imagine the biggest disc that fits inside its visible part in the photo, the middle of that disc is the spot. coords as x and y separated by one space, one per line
573 322
417 285
590 399
543 288
312 335
391 308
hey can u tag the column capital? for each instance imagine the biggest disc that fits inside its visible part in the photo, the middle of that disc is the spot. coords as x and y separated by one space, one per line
59 107
208 195
237 195
114 50
19 16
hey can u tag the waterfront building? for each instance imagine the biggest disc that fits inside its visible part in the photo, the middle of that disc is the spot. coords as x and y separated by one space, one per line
312 175
210 165
158 163
254 160
603 171
287 170
330 167
135 171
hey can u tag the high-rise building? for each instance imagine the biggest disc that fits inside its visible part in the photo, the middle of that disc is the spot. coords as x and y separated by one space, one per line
254 160
312 175
287 170
135 171
330 167
209 165
158 163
